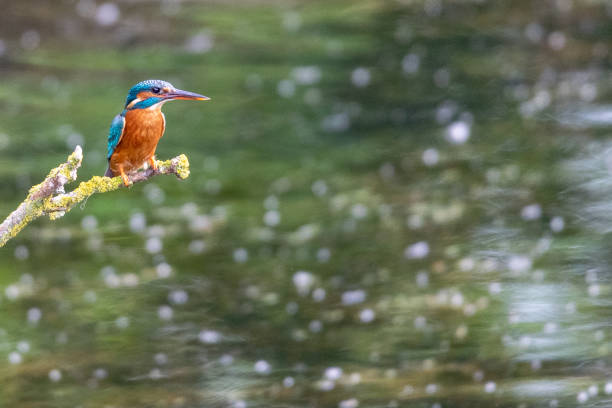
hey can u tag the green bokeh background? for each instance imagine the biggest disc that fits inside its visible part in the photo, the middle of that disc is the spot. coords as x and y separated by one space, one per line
320 120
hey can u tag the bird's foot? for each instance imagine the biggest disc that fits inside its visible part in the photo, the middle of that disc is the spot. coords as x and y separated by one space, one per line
126 180
152 163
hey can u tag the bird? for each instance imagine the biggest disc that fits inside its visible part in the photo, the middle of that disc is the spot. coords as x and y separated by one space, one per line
135 132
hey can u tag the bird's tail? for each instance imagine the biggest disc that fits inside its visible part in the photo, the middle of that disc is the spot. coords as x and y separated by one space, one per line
108 173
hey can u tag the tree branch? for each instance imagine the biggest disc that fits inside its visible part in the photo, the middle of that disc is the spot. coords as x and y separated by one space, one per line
49 197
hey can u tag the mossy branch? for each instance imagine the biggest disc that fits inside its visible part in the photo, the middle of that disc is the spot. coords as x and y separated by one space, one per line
49 197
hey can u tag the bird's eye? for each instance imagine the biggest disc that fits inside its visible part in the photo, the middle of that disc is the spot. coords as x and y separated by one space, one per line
155 90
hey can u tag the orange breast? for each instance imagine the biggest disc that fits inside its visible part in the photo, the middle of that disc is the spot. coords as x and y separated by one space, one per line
143 129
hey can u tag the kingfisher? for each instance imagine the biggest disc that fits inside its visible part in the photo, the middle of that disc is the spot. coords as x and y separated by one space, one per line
135 132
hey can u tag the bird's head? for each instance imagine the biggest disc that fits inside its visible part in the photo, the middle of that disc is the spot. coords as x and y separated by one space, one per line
149 93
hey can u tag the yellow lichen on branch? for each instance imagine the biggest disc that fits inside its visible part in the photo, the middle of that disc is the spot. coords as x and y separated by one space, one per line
57 206
49 197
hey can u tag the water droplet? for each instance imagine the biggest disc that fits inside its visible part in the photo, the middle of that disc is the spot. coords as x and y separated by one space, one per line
34 315
333 373
288 382
155 374
178 297
154 245
286 88
315 326
272 218
353 297
200 43
226 359
534 32
458 132
557 40
588 92
22 252
307 75
100 373
303 281
490 387
360 77
163 270
519 264
165 312
122 322
319 188
417 251
197 246
422 279
466 264
130 280
407 390
160 359
318 295
557 224
411 64
531 212
326 385
495 288
456 300
14 358
138 222
107 14
359 211
349 403
12 292
209 336
55 375
367 315
430 157
262 367
431 388
23 346
445 111
241 255
323 255
461 332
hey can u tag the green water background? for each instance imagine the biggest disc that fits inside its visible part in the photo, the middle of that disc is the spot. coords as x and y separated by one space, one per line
391 204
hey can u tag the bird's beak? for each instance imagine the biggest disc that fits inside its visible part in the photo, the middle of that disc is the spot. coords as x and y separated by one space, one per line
179 94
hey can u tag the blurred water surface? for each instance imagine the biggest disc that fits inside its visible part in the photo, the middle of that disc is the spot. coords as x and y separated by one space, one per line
391 204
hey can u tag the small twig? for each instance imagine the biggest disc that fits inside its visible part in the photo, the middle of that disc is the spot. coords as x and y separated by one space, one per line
49 198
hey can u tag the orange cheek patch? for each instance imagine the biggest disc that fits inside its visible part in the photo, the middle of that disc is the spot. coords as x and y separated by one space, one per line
145 95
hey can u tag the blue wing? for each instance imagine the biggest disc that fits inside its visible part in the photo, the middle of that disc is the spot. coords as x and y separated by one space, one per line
115 133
